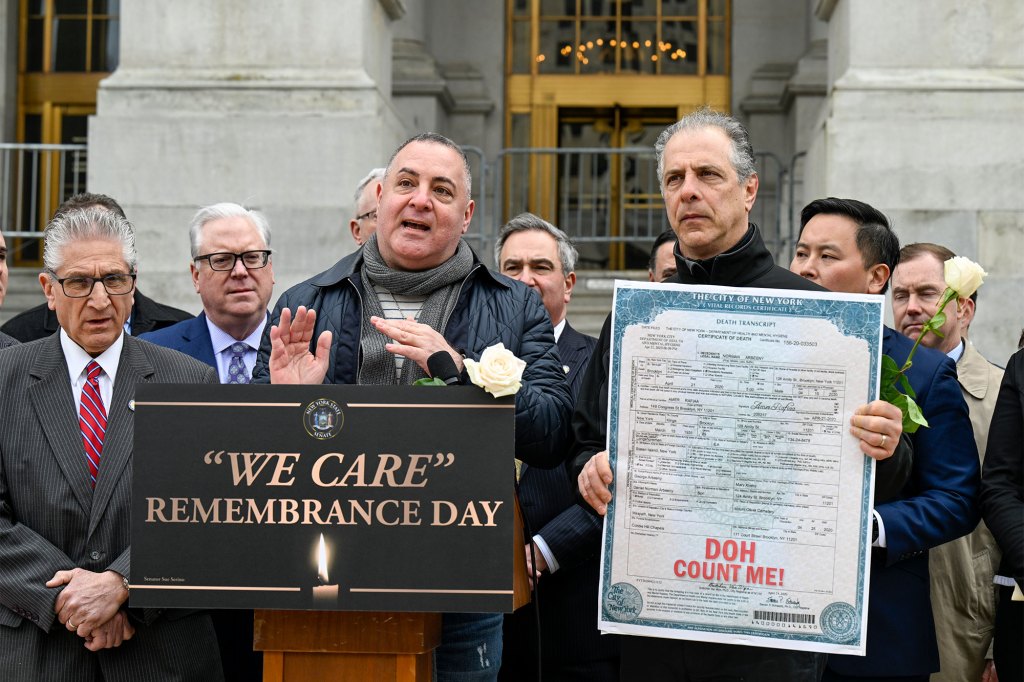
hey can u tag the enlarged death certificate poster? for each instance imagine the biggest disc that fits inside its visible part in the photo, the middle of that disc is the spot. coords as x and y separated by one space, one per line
742 503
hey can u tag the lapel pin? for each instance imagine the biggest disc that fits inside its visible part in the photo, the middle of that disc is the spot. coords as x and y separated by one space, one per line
131 405
565 368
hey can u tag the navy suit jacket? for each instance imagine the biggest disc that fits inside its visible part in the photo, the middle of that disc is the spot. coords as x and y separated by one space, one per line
938 504
191 337
567 598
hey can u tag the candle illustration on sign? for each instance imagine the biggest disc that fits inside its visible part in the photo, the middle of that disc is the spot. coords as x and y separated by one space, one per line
324 594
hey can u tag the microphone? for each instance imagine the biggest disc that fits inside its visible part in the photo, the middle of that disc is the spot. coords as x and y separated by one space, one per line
441 366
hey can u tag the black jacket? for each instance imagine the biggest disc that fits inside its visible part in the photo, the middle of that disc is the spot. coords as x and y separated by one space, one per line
40 322
491 309
748 264
1002 479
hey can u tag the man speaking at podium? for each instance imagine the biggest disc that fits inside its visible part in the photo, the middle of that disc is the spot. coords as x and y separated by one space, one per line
417 293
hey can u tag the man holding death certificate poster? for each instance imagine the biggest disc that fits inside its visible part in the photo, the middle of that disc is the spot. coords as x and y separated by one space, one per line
706 169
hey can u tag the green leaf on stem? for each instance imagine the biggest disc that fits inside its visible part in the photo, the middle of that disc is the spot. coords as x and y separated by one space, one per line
912 416
429 382
907 388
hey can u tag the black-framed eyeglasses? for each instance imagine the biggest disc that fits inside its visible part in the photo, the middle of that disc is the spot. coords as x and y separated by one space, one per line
80 286
252 260
372 215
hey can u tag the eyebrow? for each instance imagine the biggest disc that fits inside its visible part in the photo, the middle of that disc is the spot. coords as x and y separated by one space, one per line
826 245
439 178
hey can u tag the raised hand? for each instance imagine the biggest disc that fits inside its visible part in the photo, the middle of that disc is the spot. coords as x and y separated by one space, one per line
290 359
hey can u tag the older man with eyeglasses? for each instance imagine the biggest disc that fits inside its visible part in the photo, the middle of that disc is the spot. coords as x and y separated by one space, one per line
233 274
65 476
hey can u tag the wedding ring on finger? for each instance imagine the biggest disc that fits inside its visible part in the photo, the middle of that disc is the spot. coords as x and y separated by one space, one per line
71 626
884 438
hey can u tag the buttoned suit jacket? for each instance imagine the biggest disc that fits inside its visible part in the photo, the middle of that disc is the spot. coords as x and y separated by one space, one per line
191 337
938 504
963 596
52 519
567 597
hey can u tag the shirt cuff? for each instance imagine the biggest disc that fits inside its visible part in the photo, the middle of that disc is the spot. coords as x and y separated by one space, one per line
880 542
549 557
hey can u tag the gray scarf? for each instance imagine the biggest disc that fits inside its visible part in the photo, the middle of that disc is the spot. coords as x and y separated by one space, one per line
441 287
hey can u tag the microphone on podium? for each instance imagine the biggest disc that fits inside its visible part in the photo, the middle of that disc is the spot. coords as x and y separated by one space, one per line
441 366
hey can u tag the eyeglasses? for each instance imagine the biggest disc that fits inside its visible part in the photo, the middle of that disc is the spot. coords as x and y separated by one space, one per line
80 287
372 215
252 260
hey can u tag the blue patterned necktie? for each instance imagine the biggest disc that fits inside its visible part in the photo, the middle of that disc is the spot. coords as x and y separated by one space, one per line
237 373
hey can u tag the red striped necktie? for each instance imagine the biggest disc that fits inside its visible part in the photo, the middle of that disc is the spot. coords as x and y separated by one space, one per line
92 418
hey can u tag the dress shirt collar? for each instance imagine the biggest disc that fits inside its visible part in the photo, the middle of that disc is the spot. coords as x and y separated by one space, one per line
957 352
559 328
221 340
77 359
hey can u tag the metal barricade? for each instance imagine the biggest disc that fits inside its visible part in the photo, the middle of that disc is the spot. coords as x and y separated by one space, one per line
609 196
34 180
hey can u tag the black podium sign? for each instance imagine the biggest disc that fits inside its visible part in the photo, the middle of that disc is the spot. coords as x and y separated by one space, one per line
322 497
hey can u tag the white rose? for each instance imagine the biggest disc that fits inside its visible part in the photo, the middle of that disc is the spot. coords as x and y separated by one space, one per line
963 276
499 371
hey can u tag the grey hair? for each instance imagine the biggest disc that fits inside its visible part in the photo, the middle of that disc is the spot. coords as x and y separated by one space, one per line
87 223
376 174
741 155
437 138
225 210
524 222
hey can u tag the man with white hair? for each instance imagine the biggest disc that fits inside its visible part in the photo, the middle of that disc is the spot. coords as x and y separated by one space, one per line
65 477
233 274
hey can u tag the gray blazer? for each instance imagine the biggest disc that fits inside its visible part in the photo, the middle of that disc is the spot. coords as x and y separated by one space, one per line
52 519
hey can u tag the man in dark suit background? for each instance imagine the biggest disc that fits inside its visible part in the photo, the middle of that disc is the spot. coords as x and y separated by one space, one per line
566 537
233 275
146 314
65 477
847 245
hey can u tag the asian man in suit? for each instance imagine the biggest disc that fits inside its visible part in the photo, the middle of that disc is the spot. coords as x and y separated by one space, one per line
847 245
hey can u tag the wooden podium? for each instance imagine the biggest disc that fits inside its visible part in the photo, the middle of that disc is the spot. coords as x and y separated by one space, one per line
354 646
300 646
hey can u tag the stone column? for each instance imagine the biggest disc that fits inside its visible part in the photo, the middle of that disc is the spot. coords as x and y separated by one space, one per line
282 107
923 121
